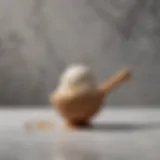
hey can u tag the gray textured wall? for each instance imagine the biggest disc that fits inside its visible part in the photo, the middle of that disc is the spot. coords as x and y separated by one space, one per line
38 38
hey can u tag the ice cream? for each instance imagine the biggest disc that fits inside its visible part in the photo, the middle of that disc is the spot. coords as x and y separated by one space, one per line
76 80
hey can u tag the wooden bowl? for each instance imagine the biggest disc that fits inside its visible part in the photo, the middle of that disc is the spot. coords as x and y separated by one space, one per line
77 111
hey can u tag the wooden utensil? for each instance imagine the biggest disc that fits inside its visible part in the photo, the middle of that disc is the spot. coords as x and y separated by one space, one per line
78 110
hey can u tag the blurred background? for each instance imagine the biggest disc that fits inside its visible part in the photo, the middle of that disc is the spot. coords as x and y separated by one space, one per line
39 38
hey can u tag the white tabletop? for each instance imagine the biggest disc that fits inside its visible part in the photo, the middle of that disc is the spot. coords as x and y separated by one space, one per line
16 118
118 134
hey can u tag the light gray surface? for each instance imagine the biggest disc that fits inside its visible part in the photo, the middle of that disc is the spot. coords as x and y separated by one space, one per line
38 38
118 134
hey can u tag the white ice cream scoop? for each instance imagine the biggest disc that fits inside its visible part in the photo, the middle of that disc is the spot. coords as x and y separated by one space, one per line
77 79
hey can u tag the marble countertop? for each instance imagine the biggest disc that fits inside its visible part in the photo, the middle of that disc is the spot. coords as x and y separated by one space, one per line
117 134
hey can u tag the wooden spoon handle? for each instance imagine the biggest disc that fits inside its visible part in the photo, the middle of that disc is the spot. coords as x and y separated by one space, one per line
115 81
